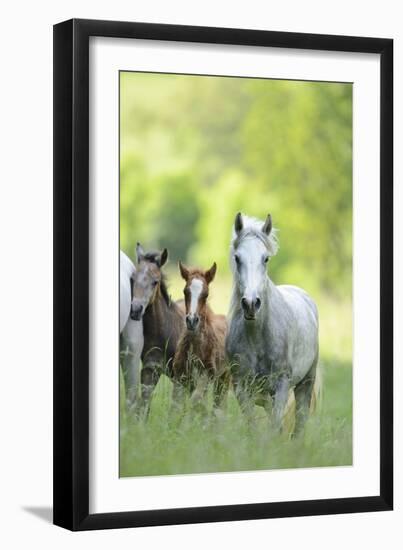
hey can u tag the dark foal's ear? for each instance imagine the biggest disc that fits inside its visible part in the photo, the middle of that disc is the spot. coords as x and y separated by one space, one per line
210 273
163 257
184 271
238 224
140 253
267 226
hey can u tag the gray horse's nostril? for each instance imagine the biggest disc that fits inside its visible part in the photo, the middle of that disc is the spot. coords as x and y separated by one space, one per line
250 307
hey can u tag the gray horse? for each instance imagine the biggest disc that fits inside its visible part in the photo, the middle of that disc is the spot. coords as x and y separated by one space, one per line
131 331
272 340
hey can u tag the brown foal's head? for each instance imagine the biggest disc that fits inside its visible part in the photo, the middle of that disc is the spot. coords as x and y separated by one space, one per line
196 292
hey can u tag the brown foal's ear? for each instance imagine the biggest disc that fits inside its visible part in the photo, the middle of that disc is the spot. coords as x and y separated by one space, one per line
139 253
163 257
267 226
210 273
184 271
238 224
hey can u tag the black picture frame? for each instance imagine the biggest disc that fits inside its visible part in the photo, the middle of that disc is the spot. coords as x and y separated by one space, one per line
71 274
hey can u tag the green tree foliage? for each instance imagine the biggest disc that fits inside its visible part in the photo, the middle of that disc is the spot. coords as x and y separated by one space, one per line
195 150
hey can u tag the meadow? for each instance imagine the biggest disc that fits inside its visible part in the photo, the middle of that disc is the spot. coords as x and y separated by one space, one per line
228 443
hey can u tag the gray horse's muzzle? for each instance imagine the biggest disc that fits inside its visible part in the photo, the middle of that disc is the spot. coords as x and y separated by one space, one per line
250 307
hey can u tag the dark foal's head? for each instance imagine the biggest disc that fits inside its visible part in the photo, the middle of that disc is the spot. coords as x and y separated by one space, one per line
196 292
147 280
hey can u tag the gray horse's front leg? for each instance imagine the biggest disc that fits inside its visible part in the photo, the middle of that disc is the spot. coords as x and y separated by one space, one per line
131 371
131 343
280 402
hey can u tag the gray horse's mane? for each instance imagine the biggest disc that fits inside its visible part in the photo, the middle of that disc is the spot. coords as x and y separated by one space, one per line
252 227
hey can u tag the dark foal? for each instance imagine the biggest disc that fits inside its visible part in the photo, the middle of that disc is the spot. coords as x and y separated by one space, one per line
163 322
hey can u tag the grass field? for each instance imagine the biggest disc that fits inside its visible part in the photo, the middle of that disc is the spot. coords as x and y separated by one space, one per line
228 443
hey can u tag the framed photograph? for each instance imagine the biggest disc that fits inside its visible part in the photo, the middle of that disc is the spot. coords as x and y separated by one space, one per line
223 236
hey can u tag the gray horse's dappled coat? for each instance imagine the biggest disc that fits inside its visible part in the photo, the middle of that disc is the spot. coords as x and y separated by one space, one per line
272 341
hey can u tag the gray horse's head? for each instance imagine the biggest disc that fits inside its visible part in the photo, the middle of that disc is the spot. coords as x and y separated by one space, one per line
147 280
253 243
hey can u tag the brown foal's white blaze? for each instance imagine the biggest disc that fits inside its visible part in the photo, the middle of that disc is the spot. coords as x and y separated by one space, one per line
192 317
196 292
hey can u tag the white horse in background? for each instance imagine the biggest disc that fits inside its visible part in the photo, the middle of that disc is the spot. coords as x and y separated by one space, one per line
131 331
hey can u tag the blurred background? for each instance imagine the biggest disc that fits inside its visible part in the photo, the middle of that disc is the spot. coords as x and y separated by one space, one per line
195 150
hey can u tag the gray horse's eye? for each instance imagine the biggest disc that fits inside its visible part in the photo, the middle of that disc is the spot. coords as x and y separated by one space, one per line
237 259
266 259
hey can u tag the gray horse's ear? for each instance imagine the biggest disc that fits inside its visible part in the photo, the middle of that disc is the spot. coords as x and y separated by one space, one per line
140 253
184 271
163 258
210 274
267 226
238 224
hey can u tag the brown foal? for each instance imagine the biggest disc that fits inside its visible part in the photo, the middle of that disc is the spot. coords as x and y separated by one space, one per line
200 355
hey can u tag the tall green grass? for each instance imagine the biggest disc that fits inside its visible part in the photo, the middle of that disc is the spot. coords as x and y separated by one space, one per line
229 443
197 444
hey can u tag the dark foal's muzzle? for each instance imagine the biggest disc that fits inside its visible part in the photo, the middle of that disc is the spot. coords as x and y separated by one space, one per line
250 308
136 312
